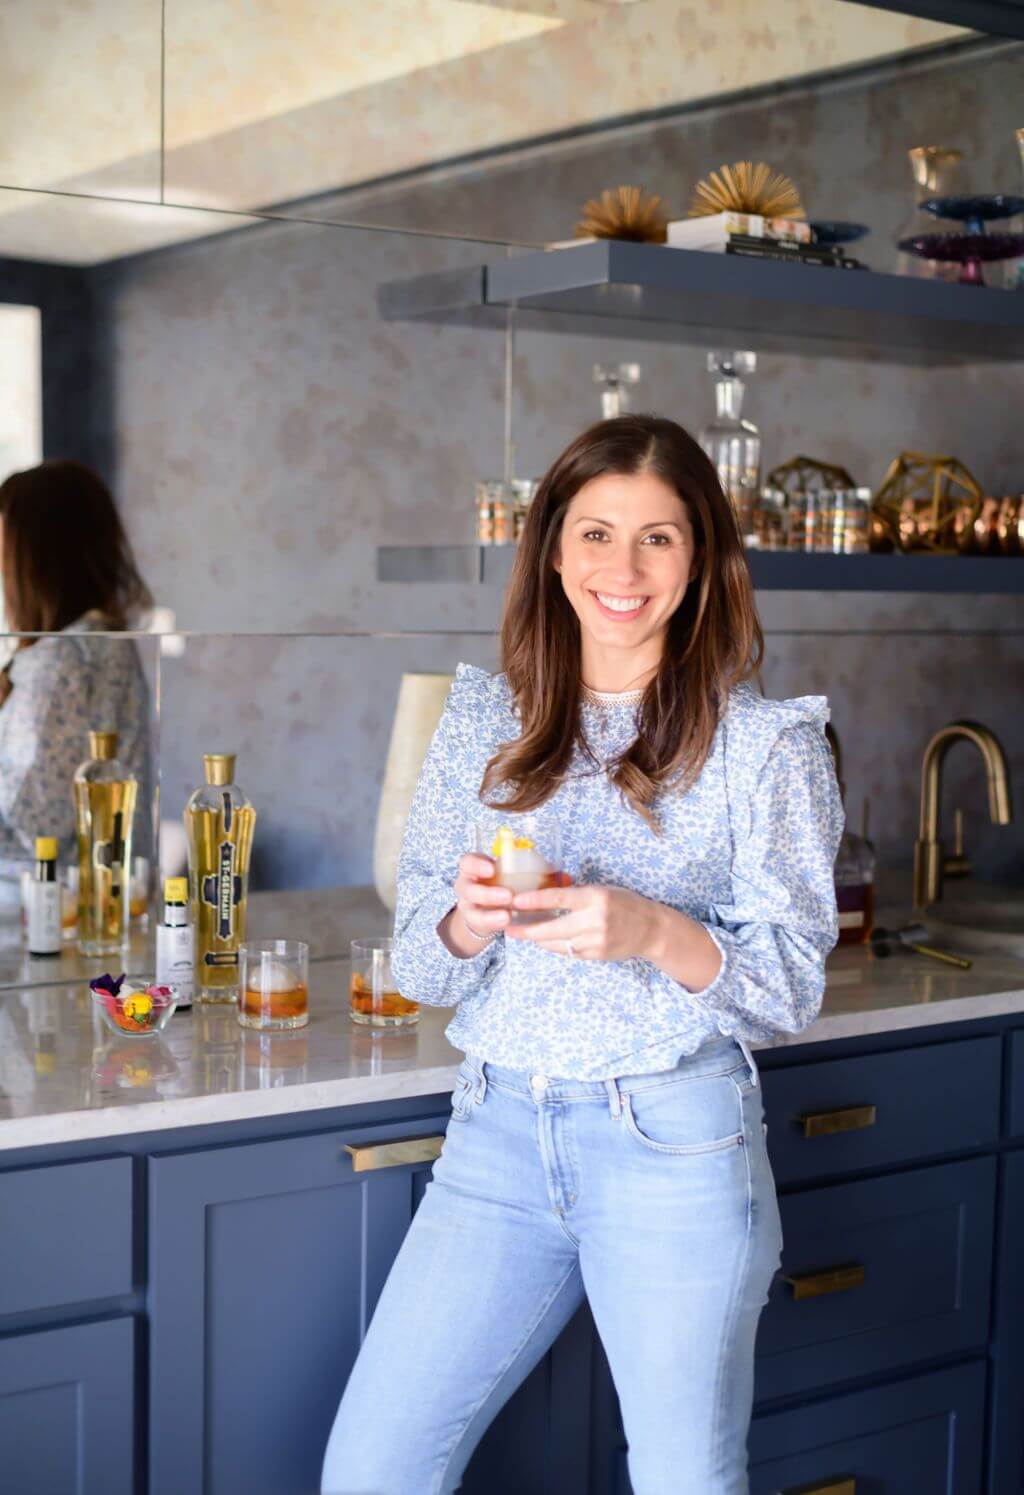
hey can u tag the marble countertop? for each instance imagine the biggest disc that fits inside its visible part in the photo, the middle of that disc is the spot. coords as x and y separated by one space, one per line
64 1077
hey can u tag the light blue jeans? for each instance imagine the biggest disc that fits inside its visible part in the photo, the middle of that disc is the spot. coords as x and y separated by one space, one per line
650 1195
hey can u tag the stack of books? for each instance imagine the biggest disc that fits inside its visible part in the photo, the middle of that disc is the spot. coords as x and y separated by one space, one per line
758 238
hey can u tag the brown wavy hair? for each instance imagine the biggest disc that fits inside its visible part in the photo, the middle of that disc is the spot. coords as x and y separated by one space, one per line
714 639
65 551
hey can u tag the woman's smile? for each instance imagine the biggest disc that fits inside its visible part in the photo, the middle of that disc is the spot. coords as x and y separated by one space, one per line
621 609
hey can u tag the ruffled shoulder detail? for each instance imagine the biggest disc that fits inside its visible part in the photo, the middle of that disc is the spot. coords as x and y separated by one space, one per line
478 693
748 707
752 725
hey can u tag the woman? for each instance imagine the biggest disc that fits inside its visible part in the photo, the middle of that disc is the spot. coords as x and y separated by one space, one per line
67 571
606 1138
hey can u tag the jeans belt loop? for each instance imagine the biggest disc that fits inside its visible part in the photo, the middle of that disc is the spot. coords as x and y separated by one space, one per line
481 1084
614 1098
745 1046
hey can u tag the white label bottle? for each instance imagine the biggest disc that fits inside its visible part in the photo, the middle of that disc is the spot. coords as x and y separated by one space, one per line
45 934
176 942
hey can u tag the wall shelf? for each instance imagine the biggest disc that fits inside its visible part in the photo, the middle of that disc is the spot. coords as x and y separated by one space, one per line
772 570
654 293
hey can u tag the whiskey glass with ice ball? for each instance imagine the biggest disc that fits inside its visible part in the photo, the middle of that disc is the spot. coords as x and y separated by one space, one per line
273 984
527 854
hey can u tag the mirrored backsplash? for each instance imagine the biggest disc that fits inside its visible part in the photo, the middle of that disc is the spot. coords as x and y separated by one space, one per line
314 723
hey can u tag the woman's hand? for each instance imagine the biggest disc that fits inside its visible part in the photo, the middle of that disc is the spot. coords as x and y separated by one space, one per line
484 908
603 923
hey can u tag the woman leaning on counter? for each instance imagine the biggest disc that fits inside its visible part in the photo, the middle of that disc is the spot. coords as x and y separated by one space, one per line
607 1135
67 570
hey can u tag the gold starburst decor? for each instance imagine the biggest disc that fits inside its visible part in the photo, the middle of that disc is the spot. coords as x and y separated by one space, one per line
624 213
746 188
924 503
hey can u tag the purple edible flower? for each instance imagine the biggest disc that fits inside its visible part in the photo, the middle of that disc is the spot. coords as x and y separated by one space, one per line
111 985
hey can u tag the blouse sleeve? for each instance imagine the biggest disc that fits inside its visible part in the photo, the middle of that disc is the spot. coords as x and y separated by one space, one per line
780 921
43 726
437 833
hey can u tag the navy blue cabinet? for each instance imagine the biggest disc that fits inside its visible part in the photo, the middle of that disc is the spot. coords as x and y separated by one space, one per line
249 1260
266 1262
67 1410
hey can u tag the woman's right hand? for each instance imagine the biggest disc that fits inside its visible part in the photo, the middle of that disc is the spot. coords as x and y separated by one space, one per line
480 908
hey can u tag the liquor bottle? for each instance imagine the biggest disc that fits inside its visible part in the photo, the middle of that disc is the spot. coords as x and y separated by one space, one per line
105 792
854 869
45 935
734 443
219 822
176 942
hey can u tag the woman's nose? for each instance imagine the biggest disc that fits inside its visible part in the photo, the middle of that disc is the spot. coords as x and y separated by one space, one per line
623 567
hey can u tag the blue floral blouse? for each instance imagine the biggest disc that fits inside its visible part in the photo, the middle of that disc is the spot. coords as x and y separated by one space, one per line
747 850
63 686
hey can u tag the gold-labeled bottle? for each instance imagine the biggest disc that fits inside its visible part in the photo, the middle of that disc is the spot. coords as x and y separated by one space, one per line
219 822
105 792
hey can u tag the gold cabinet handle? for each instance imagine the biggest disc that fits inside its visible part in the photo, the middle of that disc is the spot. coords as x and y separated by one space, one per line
393 1154
835 1487
835 1280
827 1123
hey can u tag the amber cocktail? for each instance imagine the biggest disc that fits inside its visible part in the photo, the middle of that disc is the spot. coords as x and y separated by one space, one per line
374 999
273 984
527 854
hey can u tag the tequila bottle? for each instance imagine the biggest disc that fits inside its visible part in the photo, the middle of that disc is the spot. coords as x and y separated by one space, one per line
105 792
219 822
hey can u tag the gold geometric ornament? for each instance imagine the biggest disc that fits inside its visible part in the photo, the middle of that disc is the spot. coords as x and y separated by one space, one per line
924 502
808 475
745 188
624 213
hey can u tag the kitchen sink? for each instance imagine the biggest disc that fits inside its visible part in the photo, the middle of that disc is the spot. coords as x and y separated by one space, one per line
979 927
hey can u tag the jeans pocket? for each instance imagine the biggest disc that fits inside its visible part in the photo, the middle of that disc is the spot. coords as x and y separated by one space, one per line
685 1118
463 1094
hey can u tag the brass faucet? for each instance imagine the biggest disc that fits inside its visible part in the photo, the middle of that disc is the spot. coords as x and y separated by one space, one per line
930 862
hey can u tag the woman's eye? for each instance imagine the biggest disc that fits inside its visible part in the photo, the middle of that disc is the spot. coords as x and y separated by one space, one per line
600 534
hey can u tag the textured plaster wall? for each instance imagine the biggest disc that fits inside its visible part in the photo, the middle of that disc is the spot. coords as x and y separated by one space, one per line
271 431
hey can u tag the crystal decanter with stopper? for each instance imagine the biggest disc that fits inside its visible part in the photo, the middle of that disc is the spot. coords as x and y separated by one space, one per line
732 442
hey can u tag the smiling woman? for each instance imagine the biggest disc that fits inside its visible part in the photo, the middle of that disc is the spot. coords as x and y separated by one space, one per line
607 1135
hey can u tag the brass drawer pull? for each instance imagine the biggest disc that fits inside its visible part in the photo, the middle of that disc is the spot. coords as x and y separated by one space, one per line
837 1487
850 1119
835 1280
394 1153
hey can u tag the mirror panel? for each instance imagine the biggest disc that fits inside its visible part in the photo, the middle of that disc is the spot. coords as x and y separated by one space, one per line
80 96
326 110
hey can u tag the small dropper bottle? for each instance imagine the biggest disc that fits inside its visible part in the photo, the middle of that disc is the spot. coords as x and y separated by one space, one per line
176 942
44 911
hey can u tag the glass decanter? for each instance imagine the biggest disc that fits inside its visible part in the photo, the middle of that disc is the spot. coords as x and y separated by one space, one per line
734 443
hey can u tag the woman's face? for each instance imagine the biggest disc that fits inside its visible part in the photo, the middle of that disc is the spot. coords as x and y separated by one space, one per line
626 556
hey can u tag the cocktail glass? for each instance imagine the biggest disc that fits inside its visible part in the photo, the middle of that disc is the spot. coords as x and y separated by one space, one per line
273 984
527 854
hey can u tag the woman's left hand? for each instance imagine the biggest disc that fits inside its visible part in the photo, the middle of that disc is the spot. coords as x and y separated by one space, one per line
602 923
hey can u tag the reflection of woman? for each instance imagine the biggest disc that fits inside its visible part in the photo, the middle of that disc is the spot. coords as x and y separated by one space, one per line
68 571
607 1137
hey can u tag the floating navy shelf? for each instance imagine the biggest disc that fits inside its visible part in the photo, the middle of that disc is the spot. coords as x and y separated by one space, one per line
656 293
772 570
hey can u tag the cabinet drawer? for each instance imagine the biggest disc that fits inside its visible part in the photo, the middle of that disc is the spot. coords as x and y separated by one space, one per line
922 1435
1015 1119
877 1274
65 1234
839 1115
